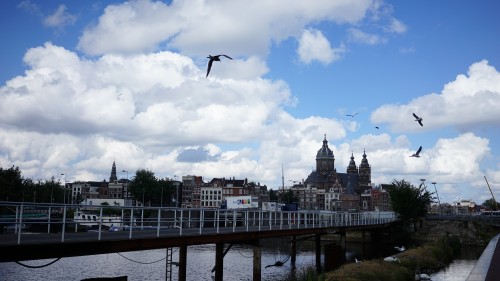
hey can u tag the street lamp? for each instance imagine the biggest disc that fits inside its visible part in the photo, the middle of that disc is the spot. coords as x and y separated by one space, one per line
176 192
64 189
423 183
126 187
439 202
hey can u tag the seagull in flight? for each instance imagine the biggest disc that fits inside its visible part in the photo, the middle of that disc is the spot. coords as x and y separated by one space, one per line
416 154
352 115
212 59
418 119
377 127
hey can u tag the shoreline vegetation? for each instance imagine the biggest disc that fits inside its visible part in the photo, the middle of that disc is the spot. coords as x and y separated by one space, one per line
439 243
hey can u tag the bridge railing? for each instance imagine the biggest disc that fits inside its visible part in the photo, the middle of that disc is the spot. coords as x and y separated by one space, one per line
59 219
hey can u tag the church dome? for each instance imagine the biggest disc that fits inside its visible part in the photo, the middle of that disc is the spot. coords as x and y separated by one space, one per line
324 151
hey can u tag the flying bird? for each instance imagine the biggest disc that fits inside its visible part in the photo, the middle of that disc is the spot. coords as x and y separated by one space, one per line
418 119
352 115
377 127
212 59
401 249
416 154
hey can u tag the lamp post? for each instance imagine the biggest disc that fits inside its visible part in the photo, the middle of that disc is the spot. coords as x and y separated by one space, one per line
423 183
64 189
439 202
161 197
126 188
51 192
176 192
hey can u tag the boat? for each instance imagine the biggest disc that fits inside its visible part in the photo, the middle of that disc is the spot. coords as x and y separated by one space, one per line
90 220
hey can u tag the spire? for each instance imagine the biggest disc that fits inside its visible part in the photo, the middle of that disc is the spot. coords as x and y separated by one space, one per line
352 169
364 161
112 177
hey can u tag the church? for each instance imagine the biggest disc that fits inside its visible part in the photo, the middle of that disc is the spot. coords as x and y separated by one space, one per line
327 189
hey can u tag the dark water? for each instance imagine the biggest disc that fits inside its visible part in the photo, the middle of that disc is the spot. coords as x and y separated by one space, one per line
150 265
460 268
238 263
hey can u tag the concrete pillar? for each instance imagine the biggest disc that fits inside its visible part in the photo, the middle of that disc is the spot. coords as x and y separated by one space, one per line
182 262
219 261
293 250
334 256
318 253
257 261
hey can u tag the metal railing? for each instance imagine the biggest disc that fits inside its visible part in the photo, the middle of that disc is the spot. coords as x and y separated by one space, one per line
59 219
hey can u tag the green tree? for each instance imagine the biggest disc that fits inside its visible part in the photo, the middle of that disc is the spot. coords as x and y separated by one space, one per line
289 197
409 202
11 185
491 204
144 187
273 197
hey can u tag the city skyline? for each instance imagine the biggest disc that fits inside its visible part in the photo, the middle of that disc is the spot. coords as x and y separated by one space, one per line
83 84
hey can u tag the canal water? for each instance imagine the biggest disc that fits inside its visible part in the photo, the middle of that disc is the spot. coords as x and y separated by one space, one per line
238 262
460 268
150 265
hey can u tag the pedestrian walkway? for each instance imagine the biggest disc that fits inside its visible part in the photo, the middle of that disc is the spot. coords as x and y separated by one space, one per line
487 267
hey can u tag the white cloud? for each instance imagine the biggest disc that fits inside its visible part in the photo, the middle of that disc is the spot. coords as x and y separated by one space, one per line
313 45
464 103
76 116
200 28
359 36
59 18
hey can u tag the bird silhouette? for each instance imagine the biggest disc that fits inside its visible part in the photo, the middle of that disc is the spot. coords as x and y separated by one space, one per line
417 154
278 263
212 59
377 127
418 119
352 115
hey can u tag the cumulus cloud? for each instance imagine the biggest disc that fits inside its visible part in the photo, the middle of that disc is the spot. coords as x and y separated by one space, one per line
154 111
457 105
313 45
449 162
223 27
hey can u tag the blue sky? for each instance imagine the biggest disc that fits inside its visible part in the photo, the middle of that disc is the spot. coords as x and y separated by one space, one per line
86 83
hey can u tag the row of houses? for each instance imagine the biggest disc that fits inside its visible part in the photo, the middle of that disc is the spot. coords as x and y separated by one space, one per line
323 189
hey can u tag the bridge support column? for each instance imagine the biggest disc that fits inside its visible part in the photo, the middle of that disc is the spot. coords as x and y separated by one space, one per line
257 261
318 253
363 242
219 261
182 262
293 250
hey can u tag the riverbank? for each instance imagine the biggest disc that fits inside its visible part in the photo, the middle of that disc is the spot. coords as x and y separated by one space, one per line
439 242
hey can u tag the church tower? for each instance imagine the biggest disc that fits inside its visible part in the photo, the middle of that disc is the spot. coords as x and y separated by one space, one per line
352 169
365 172
112 177
325 161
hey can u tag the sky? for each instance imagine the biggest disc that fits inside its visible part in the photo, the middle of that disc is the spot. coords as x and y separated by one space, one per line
86 83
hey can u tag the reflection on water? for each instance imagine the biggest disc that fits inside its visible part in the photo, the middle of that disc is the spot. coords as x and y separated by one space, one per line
151 265
238 263
460 268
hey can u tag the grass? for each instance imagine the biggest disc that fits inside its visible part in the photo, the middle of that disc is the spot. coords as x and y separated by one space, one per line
428 258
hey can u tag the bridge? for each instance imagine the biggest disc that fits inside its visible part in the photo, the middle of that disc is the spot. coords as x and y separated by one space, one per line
73 230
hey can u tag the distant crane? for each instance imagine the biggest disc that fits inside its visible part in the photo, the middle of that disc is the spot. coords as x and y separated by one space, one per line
494 200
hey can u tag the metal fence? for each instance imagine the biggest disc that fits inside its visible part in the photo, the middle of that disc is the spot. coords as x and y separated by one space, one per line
59 219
